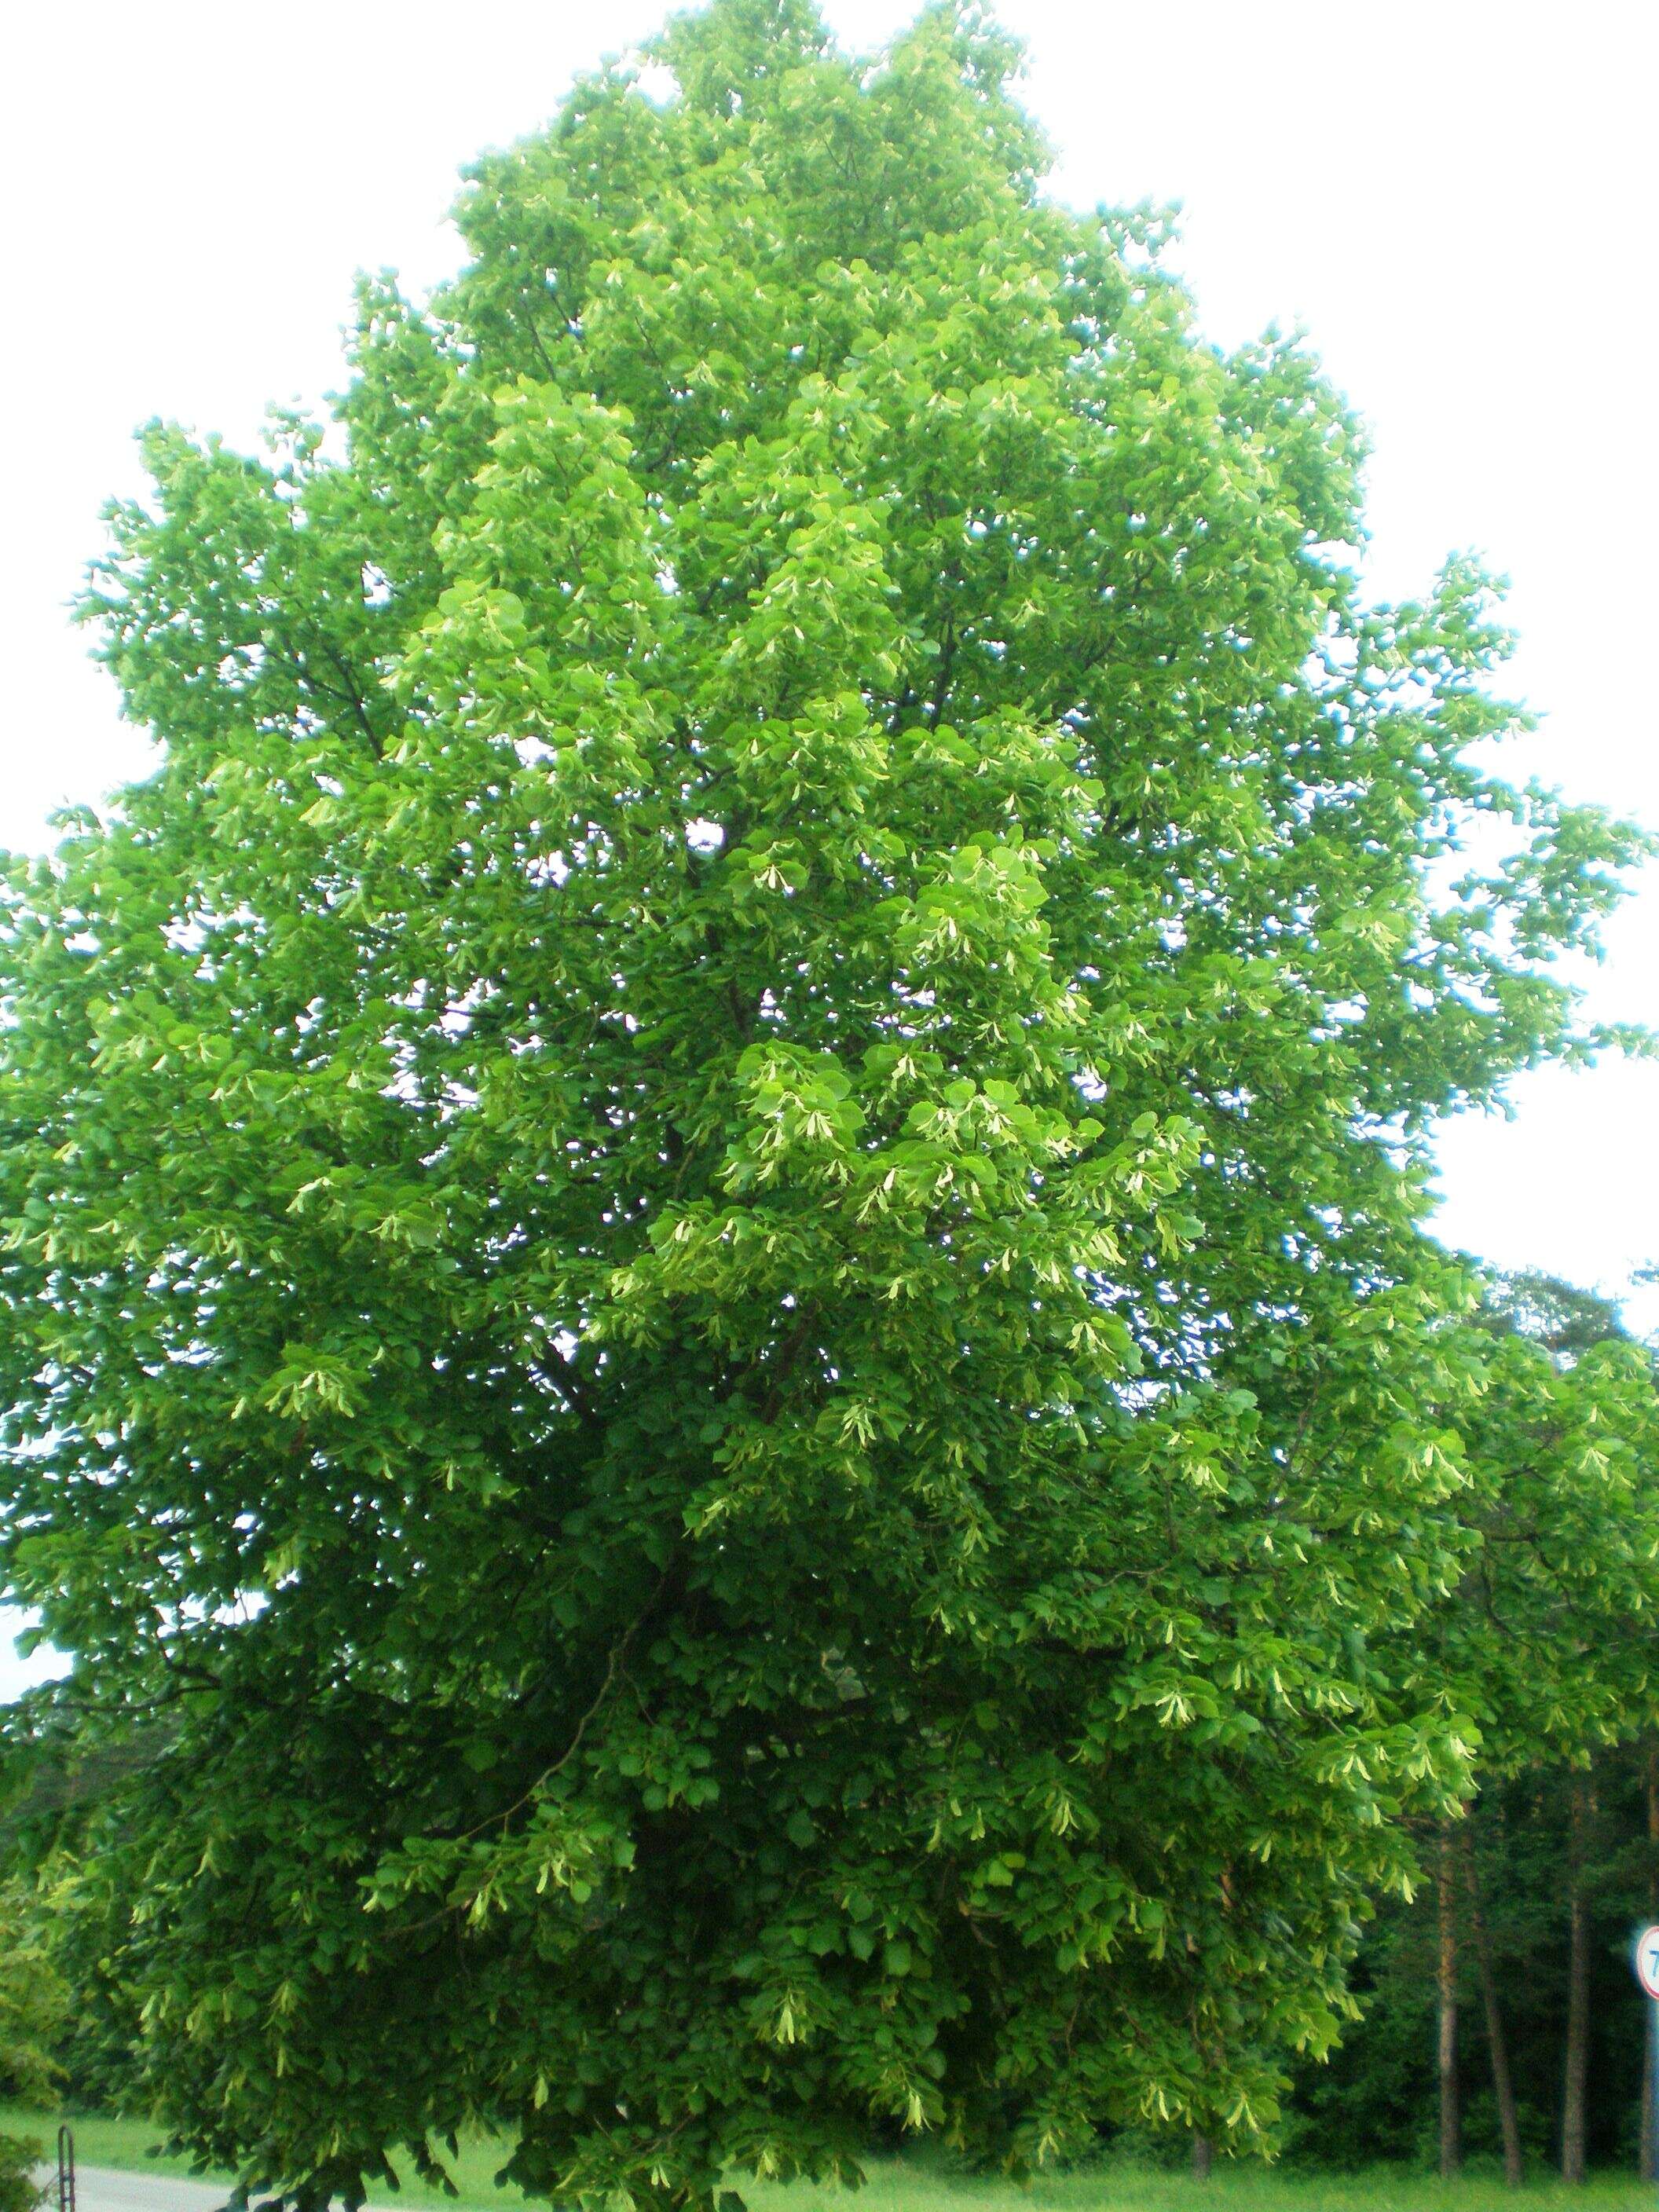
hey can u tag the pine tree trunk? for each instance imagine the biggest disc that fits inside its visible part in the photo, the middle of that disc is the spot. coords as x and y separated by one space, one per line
1497 2041
1576 2068
1451 2129
1203 2158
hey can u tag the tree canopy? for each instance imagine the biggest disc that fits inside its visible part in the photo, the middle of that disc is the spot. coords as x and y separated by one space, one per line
1549 1640
713 1260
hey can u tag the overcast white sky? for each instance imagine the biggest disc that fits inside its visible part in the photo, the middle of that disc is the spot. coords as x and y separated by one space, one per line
1458 199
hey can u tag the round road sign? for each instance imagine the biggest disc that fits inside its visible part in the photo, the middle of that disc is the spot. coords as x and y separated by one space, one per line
1647 1960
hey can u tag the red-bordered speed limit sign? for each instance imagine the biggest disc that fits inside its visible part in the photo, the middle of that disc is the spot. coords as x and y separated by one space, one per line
1646 1960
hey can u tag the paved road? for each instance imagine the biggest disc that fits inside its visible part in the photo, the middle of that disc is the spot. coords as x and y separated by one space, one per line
107 2189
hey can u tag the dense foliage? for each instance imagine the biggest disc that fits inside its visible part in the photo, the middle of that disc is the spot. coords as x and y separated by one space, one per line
20 2191
32 2006
712 1270
1518 1953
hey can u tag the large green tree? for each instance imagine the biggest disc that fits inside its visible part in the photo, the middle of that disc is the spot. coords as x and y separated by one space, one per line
713 1204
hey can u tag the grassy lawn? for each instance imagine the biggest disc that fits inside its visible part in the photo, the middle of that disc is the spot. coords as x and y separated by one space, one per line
902 2187
921 2185
98 2141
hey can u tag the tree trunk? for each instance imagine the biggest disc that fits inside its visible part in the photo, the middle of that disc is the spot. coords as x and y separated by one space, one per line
1649 2116
1451 2129
1203 2157
1576 2068
1497 2041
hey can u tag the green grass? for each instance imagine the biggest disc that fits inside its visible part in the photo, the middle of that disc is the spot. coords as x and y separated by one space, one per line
98 2140
132 2145
907 2186
923 2186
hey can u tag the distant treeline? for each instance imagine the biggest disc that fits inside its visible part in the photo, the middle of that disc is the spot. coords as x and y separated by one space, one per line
1529 1846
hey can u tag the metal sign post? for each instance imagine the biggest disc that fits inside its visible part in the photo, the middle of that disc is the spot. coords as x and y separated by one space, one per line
1645 1957
66 2170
